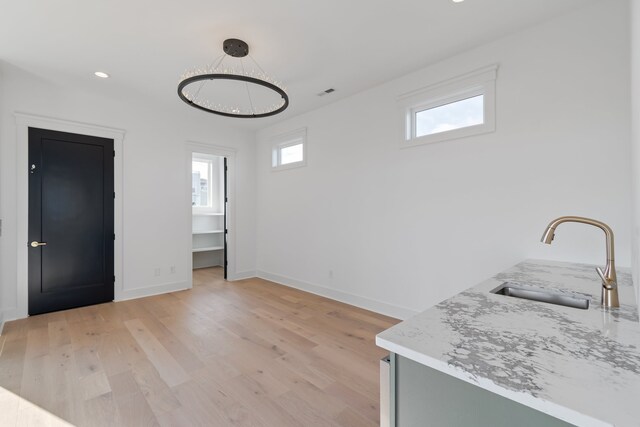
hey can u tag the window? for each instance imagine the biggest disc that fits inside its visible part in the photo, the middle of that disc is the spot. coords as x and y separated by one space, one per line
289 150
291 154
460 107
455 115
201 175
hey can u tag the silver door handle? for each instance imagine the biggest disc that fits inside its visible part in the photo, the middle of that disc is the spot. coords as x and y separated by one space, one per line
35 244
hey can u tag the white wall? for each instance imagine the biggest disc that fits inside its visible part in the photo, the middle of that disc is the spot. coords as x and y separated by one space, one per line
156 221
635 141
401 229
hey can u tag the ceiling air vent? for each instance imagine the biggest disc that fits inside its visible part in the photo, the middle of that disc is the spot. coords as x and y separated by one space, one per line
326 92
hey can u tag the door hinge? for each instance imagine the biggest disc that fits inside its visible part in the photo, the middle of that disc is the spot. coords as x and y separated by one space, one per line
114 194
114 153
226 231
114 278
114 236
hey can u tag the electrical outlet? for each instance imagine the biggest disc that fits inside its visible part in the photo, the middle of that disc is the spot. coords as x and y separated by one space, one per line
172 269
157 272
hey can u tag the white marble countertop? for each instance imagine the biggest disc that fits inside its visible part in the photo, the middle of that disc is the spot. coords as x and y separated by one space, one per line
581 366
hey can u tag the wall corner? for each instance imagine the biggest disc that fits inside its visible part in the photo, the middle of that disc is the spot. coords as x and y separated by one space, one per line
635 142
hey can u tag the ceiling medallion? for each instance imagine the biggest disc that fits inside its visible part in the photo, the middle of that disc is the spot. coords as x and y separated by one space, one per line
192 82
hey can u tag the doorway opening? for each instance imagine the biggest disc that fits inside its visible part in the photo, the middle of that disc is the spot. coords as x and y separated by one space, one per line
209 208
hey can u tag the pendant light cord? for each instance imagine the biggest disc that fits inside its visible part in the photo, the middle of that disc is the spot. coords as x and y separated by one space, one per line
219 59
246 85
258 65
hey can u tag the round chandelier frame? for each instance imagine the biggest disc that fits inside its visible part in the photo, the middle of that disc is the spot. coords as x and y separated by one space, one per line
238 49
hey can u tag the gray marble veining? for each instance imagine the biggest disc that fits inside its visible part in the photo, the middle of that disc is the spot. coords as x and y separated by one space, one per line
582 366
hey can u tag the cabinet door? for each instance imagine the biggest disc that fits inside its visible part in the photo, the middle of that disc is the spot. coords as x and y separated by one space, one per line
426 397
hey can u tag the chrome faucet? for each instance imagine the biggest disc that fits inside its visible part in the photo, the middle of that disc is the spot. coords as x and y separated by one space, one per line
608 276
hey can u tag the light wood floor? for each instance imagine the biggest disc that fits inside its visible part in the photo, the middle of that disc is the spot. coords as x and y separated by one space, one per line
242 353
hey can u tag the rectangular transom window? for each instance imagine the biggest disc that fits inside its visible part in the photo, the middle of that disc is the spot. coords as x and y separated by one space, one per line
454 115
460 107
289 150
291 154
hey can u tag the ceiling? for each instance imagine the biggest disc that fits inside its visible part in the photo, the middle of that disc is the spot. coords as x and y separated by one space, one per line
309 46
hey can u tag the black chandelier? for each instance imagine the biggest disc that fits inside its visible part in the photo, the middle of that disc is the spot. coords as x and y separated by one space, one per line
192 83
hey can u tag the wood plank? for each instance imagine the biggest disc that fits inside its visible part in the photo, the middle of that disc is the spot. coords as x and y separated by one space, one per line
240 415
135 411
350 418
187 360
303 411
159 396
102 411
355 401
37 382
201 409
170 371
58 333
67 400
252 395
12 362
94 385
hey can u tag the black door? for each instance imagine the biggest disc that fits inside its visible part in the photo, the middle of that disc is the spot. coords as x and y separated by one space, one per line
226 229
70 220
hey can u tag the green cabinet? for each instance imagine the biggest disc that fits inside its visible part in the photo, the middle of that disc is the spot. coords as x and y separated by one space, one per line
420 396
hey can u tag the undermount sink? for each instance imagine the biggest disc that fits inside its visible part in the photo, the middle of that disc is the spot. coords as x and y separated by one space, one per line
537 294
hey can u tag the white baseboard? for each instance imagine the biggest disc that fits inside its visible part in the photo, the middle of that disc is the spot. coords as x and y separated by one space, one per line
13 313
347 298
127 294
242 275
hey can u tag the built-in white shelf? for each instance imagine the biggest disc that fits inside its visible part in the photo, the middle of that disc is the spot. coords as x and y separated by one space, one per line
208 231
211 248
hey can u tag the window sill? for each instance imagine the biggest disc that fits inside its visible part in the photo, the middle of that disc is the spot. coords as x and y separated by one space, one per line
449 135
288 166
206 213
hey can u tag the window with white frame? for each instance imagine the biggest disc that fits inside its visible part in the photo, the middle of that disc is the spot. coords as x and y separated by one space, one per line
456 108
289 150
201 180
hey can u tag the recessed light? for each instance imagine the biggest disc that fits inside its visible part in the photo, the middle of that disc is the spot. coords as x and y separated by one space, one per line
457 1
101 74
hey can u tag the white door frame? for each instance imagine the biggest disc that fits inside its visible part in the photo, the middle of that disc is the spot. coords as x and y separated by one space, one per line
230 154
23 123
